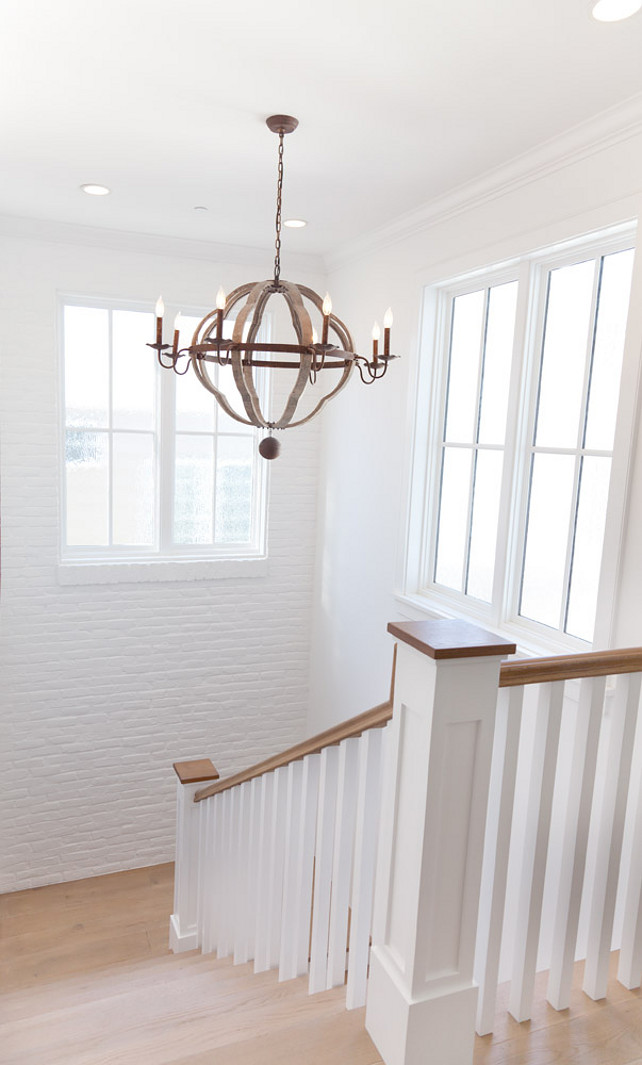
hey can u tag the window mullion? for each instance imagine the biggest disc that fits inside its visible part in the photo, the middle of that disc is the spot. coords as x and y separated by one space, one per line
529 338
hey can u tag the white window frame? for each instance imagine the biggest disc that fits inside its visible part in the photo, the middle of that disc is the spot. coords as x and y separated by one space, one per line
165 560
419 589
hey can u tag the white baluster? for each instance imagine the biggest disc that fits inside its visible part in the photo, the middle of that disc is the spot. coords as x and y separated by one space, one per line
496 851
365 851
224 921
305 870
328 786
287 947
241 919
261 943
630 964
536 834
183 926
297 889
610 831
209 875
253 862
575 838
342 861
275 871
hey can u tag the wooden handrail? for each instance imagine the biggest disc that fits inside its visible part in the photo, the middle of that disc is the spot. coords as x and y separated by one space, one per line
377 717
511 674
570 667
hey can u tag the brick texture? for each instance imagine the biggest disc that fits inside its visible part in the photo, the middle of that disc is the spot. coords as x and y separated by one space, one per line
104 686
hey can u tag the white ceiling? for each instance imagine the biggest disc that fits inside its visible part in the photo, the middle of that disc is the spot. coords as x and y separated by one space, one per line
165 100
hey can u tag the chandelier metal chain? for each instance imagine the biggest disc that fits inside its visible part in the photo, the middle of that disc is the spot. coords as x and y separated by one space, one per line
279 198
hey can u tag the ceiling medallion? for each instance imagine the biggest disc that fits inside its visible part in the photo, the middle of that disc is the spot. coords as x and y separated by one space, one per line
307 358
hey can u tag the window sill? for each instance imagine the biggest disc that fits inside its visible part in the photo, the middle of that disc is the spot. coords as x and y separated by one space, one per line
529 644
161 569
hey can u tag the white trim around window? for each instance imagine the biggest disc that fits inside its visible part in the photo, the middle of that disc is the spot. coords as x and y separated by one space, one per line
502 612
163 549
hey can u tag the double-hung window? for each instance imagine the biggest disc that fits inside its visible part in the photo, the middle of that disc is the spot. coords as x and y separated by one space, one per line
153 468
525 382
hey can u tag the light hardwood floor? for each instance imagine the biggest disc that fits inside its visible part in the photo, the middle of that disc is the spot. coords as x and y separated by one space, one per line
87 979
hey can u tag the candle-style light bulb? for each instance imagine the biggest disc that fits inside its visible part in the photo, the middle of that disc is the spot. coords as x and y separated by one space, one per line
160 311
177 321
387 318
376 332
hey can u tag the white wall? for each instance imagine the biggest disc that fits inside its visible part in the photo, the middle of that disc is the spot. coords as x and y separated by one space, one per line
560 192
104 686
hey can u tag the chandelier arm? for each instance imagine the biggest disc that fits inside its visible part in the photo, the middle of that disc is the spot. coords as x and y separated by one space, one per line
345 377
296 393
300 318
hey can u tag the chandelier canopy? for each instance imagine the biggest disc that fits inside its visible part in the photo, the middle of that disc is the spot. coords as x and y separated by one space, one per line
308 357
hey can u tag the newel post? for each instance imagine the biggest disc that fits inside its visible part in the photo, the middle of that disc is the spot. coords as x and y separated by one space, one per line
183 926
421 996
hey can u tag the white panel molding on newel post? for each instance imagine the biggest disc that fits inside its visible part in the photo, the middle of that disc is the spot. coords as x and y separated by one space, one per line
422 997
183 923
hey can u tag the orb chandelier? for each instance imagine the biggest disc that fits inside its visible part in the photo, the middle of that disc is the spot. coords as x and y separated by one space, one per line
312 361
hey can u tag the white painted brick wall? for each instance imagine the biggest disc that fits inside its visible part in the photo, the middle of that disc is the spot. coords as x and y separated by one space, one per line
104 686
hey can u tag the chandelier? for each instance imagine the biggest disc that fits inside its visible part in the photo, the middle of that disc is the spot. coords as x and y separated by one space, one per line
308 358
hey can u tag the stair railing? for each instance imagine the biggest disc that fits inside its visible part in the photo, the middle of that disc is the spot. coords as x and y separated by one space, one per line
276 865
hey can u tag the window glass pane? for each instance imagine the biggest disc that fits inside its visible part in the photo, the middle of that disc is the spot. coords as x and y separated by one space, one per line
453 517
194 489
86 343
497 363
229 390
549 515
234 474
135 371
587 554
483 542
463 373
195 406
564 356
133 489
609 346
87 488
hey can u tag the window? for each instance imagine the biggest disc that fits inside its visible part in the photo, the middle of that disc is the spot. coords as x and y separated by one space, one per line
153 468
525 392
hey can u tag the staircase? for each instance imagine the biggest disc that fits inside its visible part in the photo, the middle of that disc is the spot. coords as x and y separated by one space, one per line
87 980
443 792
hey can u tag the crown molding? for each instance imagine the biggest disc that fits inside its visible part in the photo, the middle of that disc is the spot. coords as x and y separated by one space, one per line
149 244
604 130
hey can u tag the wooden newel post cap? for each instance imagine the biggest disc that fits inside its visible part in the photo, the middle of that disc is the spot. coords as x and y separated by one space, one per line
201 769
450 639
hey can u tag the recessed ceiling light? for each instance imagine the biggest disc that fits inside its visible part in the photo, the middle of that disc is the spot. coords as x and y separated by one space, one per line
200 208
614 10
99 190
299 223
